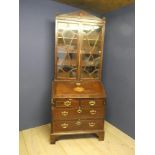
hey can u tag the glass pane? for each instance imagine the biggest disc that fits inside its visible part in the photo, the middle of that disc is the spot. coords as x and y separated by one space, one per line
91 51
67 50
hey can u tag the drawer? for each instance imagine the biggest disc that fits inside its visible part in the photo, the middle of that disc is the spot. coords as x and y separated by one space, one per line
66 102
77 113
91 102
78 125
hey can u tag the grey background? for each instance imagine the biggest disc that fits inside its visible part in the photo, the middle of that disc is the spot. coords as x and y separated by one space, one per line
119 69
37 19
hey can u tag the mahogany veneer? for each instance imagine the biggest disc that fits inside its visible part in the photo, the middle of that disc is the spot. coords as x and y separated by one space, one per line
80 112
78 95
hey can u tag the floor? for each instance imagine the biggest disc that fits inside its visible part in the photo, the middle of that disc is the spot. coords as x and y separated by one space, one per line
35 141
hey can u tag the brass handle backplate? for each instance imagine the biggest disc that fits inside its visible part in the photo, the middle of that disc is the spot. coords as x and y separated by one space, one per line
91 124
78 122
67 103
92 103
64 125
64 113
92 112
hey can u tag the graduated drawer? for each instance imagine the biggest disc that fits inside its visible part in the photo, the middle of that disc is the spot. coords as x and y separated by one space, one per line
91 102
66 102
77 125
77 113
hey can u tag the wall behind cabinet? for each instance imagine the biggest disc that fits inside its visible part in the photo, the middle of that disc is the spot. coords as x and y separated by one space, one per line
37 30
119 69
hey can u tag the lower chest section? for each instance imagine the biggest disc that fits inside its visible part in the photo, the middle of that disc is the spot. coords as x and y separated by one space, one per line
77 114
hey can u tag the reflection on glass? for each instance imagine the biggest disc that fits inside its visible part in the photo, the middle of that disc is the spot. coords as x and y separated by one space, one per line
67 50
91 51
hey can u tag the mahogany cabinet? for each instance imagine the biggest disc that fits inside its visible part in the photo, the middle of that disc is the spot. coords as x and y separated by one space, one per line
78 95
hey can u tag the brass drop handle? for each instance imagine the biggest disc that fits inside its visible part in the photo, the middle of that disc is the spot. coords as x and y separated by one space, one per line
64 113
67 103
64 125
92 103
92 112
78 123
79 110
91 124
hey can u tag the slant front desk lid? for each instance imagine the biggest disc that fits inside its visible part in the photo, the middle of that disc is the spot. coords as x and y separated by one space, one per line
74 89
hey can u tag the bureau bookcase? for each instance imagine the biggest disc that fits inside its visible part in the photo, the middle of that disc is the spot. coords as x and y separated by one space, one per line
78 95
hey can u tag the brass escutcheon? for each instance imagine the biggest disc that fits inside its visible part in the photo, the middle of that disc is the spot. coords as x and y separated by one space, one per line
78 84
79 110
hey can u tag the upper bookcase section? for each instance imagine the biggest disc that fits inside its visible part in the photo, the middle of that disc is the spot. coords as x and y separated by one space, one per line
79 42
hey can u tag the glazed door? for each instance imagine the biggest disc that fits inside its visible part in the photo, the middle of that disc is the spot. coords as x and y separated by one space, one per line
67 50
91 51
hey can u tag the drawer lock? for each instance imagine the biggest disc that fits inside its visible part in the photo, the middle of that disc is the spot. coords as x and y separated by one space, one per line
79 111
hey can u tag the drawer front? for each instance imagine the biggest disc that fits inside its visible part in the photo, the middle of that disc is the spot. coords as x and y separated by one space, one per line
77 113
78 125
92 102
66 102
